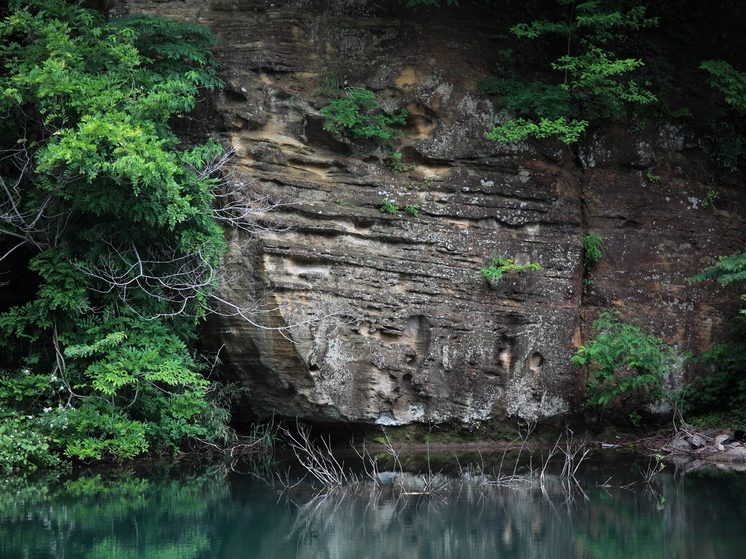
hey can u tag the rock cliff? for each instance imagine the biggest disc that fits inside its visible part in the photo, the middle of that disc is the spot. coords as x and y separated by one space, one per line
373 317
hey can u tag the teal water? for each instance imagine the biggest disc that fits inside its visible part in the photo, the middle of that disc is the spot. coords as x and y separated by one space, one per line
218 514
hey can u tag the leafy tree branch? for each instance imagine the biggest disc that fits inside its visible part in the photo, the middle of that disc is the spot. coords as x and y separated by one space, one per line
597 82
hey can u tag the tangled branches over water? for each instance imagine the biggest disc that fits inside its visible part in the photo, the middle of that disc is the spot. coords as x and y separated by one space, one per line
515 470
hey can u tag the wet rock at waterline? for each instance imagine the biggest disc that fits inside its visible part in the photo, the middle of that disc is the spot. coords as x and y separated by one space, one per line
374 317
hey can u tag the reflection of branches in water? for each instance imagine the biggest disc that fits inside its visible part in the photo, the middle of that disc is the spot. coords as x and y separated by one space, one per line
446 517
318 460
350 509
476 514
322 508
462 520
469 519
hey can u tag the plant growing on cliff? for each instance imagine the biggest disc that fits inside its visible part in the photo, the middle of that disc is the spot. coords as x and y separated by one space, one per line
500 265
623 360
396 164
358 114
412 210
108 225
389 206
593 249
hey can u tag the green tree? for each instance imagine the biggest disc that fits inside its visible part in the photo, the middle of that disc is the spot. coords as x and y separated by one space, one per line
113 220
596 82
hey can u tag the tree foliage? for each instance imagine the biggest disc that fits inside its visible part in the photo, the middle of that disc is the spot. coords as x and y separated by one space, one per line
597 82
519 129
729 82
726 270
623 361
114 219
723 388
729 128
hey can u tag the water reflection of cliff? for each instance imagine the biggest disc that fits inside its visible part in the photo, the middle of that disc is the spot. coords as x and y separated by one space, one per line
224 516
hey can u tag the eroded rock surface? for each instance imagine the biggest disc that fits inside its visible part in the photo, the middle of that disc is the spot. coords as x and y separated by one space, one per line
383 318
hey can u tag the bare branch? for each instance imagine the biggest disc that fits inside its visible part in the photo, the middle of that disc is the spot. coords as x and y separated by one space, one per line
35 222
317 460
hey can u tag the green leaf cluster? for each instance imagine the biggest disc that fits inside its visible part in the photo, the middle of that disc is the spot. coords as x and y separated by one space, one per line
113 218
727 270
389 206
358 114
593 249
412 210
500 265
729 82
623 361
519 129
23 448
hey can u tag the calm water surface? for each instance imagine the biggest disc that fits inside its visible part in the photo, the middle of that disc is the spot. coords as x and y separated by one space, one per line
219 514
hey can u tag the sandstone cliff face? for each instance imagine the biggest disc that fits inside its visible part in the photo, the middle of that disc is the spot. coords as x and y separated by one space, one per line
381 318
